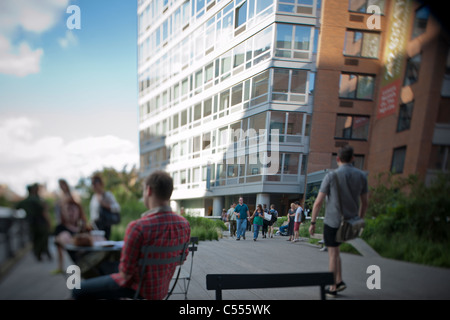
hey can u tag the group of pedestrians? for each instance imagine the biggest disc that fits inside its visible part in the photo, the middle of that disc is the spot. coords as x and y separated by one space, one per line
240 220
70 218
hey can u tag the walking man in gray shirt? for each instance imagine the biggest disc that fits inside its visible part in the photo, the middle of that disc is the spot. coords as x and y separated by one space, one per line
353 192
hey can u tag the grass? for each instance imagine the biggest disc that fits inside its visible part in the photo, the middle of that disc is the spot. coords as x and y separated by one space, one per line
205 228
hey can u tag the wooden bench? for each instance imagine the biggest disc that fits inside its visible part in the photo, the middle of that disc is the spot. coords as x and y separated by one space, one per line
219 282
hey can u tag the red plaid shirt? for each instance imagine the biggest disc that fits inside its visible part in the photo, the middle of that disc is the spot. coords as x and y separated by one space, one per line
159 229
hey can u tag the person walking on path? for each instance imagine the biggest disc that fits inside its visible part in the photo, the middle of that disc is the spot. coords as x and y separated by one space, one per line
159 226
265 227
232 219
274 214
258 217
242 213
354 199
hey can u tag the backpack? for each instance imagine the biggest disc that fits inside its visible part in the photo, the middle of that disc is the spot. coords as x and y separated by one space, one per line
274 214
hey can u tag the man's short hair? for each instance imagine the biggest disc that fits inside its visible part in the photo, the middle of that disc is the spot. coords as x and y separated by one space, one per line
345 154
161 184
297 203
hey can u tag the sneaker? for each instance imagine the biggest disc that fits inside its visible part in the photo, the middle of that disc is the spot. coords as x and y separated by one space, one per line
341 286
330 294
254 239
237 239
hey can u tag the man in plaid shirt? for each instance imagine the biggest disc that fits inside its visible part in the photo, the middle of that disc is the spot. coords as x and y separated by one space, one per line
158 227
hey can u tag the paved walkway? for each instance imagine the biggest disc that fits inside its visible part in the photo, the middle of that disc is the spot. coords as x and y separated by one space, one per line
32 280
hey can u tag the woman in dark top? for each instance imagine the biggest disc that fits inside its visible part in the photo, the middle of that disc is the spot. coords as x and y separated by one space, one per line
291 216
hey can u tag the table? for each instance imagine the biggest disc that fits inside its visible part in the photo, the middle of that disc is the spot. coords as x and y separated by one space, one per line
100 259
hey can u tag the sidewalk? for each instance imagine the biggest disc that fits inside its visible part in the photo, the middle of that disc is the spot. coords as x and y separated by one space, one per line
31 280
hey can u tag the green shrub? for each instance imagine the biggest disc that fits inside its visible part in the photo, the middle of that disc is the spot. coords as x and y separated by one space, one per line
408 220
205 228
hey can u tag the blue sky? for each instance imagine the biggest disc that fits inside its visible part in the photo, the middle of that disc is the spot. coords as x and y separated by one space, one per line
68 98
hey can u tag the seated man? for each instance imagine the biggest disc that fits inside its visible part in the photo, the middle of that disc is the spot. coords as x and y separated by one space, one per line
159 226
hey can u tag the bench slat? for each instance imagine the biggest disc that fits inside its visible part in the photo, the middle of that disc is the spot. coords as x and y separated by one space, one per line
221 282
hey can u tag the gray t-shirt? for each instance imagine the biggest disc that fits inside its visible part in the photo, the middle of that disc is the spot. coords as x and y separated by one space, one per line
353 184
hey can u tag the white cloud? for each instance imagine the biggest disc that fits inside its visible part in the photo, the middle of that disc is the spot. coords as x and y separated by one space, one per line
32 16
19 61
26 158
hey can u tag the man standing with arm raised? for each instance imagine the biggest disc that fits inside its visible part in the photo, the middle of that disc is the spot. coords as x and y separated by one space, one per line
353 191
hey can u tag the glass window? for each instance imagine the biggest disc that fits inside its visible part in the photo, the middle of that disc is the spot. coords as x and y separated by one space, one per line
298 82
206 140
183 179
207 107
175 121
197 111
284 36
420 21
352 127
241 14
360 127
184 118
278 122
281 80
291 162
439 158
365 87
263 41
239 55
225 61
445 89
262 5
198 78
260 84
209 72
258 122
295 123
361 44
398 160
224 100
236 94
302 37
353 86
412 70
223 136
404 117
363 5
347 86
196 144
196 175
184 87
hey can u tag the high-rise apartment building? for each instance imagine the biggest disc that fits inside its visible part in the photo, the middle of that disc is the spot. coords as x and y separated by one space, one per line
219 78
215 79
